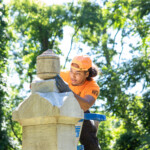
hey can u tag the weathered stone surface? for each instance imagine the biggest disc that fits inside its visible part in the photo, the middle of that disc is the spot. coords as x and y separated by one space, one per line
48 65
51 107
40 137
44 86
48 117
49 137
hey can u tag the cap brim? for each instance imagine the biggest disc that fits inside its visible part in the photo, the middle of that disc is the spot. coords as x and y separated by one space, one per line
79 69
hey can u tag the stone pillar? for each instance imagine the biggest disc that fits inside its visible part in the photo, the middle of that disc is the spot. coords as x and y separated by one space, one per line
48 117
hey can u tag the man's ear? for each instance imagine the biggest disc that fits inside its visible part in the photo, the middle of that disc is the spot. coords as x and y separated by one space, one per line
87 74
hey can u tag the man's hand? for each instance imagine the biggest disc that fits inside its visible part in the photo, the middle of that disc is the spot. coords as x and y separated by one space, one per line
62 85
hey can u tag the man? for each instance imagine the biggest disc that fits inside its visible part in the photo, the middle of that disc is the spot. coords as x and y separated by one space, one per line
80 81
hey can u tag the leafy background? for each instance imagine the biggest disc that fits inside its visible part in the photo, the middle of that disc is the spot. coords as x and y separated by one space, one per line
115 33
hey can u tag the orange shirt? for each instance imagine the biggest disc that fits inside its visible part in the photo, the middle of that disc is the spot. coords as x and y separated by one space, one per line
88 88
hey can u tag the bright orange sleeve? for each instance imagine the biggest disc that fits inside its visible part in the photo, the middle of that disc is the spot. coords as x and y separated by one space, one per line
92 90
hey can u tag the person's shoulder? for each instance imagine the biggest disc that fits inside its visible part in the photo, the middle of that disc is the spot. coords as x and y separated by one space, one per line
92 83
92 89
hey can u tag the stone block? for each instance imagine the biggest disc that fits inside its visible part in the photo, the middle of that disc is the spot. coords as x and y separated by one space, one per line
44 86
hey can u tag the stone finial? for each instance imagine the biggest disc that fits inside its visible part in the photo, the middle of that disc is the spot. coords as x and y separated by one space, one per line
48 65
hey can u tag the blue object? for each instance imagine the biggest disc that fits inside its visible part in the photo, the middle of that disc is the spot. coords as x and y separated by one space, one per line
88 116
80 147
77 129
92 116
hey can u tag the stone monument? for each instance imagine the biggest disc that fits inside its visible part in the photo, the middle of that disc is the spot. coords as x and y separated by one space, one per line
48 117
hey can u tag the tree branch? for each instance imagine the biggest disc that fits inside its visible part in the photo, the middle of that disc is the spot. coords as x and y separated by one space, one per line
121 50
12 127
71 46
115 37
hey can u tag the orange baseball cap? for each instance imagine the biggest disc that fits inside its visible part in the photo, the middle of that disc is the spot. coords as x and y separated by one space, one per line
84 62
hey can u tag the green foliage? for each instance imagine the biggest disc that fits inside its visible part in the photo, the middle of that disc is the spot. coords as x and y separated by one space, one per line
39 23
105 134
144 114
4 140
127 141
103 27
136 70
40 28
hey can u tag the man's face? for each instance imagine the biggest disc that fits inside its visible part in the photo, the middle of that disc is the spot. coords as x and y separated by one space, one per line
78 77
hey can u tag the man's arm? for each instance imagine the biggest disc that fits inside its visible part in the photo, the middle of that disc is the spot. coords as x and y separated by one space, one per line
86 102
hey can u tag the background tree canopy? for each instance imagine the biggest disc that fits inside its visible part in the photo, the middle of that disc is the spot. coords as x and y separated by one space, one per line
115 33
